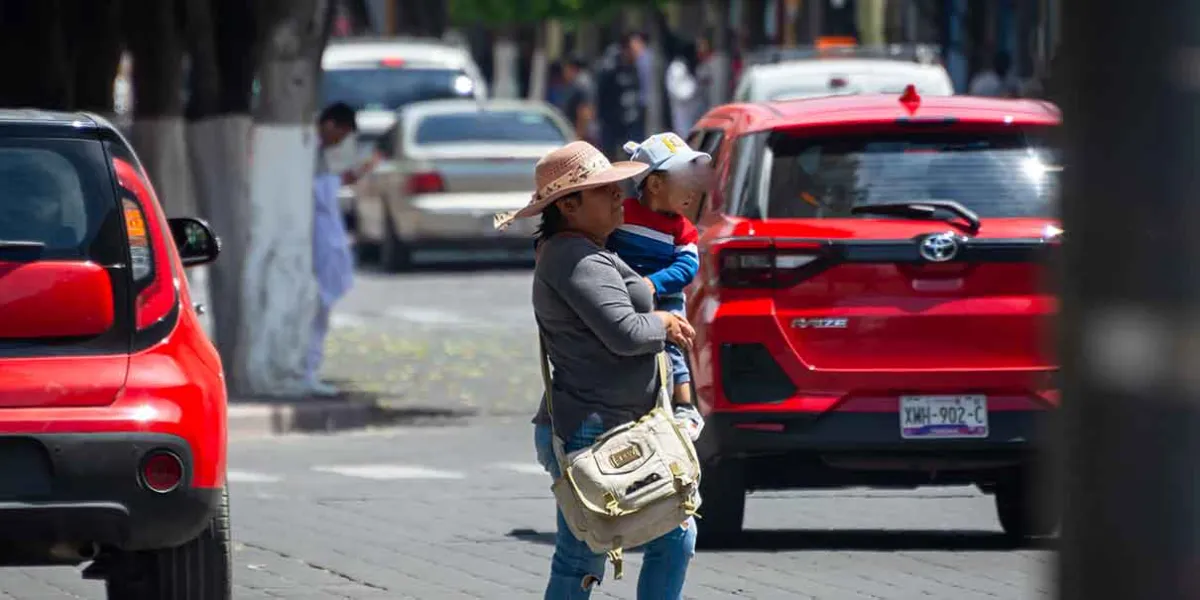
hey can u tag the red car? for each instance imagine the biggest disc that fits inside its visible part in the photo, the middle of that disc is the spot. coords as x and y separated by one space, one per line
112 398
870 307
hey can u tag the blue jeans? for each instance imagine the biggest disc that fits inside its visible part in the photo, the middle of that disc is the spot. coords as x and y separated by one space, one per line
575 568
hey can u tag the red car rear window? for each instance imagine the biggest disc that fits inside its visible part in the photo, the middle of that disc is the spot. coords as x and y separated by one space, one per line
995 174
53 192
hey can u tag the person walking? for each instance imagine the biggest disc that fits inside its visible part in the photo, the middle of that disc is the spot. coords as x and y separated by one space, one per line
683 90
602 335
333 261
619 97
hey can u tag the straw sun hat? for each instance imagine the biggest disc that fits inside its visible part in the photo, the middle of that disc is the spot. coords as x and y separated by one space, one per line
573 168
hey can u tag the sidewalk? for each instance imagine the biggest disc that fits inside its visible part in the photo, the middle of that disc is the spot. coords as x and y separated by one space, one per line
256 417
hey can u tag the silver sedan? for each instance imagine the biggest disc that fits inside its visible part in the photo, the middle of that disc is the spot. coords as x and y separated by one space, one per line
446 168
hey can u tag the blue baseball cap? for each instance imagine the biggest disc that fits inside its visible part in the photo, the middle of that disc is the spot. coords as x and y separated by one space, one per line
663 152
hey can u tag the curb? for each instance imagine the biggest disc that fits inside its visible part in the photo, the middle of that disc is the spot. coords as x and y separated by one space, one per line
310 415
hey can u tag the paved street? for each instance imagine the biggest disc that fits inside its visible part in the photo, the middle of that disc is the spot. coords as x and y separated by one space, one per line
462 511
460 343
450 512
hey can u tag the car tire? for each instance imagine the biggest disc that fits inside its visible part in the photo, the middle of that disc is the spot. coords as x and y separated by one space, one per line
1021 515
722 503
201 569
394 255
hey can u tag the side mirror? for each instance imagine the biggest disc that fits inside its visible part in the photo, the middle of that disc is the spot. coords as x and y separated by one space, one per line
195 240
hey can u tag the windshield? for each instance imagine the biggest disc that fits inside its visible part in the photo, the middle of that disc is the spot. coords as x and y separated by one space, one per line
993 174
507 126
389 89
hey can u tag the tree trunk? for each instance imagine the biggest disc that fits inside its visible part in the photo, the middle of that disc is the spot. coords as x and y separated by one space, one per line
279 292
158 134
92 32
34 63
218 135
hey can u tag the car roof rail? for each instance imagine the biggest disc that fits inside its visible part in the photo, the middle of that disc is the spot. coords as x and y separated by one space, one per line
926 54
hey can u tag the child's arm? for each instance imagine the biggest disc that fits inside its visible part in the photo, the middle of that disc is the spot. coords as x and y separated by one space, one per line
676 276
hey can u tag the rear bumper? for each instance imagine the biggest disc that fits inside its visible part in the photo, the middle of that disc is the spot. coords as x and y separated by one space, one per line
86 487
836 449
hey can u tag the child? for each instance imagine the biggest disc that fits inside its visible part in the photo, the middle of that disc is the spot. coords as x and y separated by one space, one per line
656 240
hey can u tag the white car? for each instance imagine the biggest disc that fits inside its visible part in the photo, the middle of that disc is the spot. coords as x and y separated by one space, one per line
839 76
377 76
446 168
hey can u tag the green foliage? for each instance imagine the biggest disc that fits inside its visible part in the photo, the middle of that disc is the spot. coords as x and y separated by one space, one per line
514 12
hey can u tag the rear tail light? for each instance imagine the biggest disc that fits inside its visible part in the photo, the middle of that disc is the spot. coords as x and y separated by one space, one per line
150 266
425 183
162 471
764 263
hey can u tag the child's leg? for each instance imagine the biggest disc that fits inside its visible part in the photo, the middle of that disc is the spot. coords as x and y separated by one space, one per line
681 376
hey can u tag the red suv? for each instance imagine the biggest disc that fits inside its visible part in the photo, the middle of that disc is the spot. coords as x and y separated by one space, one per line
112 398
870 307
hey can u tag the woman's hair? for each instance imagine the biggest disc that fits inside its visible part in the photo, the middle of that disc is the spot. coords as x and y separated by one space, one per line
553 220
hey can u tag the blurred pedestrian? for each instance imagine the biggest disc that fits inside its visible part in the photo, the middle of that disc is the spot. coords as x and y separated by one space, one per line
579 100
619 97
683 90
333 262
998 80
600 330
705 73
556 86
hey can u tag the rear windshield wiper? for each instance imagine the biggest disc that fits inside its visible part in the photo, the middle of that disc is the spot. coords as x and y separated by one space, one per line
922 209
21 245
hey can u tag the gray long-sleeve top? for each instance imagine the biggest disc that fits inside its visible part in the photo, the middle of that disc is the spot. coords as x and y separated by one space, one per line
594 312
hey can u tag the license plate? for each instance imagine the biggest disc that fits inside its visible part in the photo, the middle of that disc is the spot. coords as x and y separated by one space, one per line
940 417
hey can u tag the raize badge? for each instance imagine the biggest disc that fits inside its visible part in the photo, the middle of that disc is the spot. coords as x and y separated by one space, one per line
819 323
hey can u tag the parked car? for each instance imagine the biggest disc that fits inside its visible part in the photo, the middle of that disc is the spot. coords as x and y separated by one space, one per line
871 307
786 74
112 398
446 168
378 76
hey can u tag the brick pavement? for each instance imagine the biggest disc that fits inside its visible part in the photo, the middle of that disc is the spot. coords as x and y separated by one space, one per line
455 512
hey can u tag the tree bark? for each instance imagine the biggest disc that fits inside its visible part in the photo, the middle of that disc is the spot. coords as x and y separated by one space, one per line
221 35
34 61
93 38
156 43
279 292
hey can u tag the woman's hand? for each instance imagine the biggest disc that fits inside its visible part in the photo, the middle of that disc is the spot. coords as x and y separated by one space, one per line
679 331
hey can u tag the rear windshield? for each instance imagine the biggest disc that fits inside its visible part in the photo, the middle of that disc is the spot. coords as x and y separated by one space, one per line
53 192
389 88
491 126
994 174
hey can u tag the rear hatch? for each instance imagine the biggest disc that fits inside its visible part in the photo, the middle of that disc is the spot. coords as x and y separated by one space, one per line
481 152
65 308
872 273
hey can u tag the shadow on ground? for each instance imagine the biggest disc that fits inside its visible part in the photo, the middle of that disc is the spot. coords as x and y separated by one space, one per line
849 540
352 410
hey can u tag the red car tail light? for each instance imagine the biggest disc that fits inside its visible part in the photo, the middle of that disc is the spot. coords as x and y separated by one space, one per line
764 263
151 270
425 183
162 471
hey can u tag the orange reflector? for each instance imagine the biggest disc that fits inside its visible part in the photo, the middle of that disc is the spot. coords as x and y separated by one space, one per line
135 224
392 62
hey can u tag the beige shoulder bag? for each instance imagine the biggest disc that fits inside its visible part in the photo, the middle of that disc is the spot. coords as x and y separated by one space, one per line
634 484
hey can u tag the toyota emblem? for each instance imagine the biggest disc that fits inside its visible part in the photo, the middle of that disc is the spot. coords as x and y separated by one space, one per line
939 247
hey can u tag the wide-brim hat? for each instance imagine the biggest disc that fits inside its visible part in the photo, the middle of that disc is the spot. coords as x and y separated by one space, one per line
573 168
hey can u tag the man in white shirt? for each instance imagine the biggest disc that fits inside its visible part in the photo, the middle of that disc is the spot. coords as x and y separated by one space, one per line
998 81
